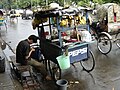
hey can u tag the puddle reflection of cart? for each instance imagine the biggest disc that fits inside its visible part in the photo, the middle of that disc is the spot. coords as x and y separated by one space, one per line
52 47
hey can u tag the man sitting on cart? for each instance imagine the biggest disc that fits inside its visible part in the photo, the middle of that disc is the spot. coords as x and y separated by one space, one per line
23 55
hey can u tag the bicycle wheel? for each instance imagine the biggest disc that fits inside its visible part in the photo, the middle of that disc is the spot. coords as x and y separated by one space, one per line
104 44
117 37
55 70
89 63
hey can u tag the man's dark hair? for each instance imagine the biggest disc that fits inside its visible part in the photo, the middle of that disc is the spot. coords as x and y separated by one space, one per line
1 12
34 38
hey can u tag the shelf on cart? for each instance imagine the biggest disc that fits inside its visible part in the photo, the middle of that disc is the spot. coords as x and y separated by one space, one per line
62 29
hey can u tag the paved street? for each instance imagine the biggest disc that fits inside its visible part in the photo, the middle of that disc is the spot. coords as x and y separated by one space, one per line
105 76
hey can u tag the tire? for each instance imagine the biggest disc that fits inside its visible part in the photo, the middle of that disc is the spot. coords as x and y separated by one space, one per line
55 70
117 37
89 63
104 44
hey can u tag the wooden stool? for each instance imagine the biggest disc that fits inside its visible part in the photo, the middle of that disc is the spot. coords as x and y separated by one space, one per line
24 74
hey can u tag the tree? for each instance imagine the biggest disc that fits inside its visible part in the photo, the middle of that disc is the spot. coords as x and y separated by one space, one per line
28 3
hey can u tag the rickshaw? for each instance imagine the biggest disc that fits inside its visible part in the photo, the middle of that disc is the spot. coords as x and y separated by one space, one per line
13 16
27 14
53 25
107 24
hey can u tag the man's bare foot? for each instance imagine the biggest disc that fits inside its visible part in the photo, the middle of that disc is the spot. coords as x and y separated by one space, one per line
48 78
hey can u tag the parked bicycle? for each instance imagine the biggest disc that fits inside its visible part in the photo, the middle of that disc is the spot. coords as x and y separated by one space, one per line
107 26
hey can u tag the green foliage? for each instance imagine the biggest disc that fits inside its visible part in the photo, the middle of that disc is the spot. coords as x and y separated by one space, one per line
99 1
34 3
84 3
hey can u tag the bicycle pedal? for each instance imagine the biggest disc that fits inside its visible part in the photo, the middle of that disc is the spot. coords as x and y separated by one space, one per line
55 69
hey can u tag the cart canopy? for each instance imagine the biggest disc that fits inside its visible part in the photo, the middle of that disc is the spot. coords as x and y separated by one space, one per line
108 10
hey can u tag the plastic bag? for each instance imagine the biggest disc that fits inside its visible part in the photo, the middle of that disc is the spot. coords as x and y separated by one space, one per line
85 36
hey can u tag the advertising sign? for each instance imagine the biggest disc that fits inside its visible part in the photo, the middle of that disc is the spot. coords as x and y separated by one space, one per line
78 53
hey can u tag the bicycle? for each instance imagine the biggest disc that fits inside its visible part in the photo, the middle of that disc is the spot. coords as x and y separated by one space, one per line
105 26
104 43
117 38
104 38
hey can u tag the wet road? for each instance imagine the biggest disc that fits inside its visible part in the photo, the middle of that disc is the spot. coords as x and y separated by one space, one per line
17 31
105 76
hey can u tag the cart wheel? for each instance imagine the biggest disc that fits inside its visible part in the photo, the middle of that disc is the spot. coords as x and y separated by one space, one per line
117 39
89 63
55 70
104 44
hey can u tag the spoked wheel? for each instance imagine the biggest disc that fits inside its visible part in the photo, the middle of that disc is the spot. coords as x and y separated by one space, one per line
104 44
89 63
117 39
55 70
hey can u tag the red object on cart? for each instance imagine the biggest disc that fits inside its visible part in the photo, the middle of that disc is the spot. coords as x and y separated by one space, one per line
64 34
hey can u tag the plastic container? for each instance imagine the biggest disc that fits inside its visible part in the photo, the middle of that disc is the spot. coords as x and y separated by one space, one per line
62 84
85 36
63 61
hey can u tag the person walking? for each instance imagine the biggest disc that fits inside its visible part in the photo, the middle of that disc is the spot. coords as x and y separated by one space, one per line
23 55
